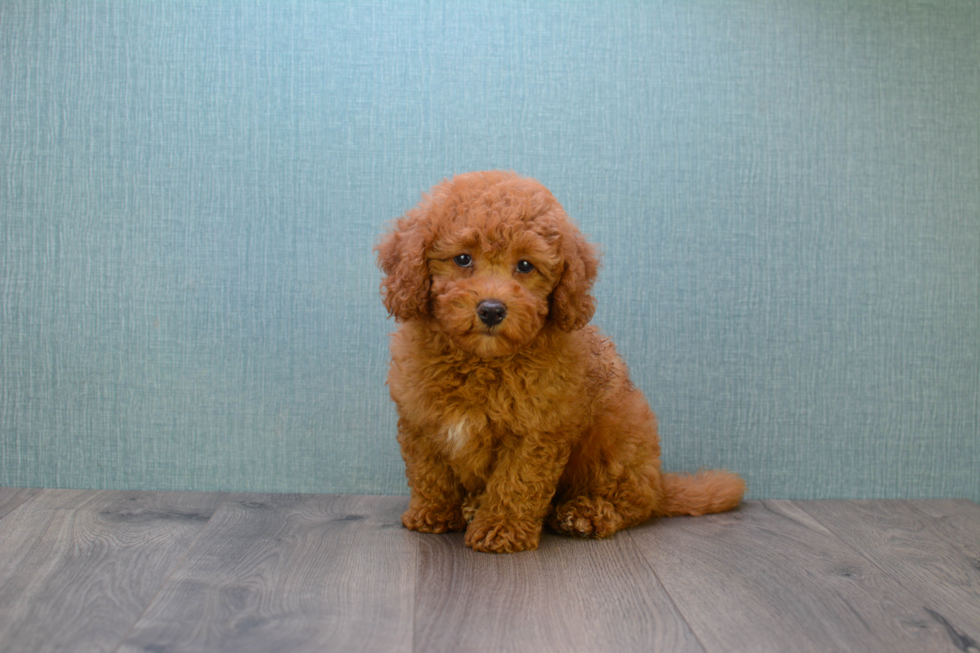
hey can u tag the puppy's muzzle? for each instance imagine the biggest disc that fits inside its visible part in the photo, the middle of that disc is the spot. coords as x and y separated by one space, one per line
491 312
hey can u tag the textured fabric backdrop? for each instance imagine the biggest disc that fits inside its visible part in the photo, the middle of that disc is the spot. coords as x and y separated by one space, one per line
787 195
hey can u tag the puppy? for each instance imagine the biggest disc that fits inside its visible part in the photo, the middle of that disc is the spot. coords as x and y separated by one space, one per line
513 412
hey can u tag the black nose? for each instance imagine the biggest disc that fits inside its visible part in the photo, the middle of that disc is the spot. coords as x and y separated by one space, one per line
491 312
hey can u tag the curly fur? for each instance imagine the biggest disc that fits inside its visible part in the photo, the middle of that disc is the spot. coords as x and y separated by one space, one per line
507 426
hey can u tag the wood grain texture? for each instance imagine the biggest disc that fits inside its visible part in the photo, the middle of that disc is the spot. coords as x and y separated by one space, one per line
928 555
290 573
955 520
77 568
769 577
11 497
568 595
157 571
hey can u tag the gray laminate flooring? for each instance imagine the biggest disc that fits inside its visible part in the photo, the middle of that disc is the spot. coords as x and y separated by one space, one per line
181 571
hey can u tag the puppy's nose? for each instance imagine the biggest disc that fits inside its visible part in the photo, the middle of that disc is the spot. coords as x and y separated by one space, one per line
491 312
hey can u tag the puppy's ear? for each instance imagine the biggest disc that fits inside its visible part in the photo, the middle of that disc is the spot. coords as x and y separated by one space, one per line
572 303
401 256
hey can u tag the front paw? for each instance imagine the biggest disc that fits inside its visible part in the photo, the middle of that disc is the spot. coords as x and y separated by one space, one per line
432 519
500 535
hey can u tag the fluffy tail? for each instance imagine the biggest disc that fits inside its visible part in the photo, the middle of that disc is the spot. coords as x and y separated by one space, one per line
702 493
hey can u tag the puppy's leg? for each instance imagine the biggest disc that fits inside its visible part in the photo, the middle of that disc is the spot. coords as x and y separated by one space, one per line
612 480
512 509
585 516
471 503
621 503
436 499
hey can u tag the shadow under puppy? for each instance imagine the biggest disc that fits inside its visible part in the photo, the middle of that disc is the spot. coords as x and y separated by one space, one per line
512 411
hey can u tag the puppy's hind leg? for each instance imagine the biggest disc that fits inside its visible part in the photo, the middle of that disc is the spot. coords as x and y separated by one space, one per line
626 501
613 479
471 503
585 516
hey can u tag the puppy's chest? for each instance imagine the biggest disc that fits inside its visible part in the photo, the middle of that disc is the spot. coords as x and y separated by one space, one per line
504 396
476 410
477 415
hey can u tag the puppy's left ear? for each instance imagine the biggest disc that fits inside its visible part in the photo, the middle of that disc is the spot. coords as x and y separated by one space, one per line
572 303
401 256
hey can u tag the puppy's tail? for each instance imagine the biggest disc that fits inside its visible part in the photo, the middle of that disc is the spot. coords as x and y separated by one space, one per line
706 492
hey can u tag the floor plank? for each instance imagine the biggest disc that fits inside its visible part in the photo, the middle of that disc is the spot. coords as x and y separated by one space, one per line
921 552
79 567
11 497
157 571
569 595
955 520
768 577
290 573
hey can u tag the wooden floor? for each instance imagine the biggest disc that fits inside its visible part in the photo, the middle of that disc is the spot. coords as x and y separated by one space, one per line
163 572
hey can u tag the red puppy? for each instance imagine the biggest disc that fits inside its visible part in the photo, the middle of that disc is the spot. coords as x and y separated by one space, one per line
513 412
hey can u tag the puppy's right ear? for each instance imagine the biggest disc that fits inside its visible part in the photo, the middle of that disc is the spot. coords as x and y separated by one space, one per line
401 256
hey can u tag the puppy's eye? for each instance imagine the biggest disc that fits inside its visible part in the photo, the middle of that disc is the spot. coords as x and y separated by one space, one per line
463 260
524 266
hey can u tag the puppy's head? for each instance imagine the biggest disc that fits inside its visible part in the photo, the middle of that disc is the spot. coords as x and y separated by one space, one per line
492 257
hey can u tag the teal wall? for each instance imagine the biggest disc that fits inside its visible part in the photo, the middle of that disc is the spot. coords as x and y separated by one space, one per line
787 195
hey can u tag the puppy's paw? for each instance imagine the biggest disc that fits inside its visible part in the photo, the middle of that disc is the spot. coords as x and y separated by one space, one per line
498 535
431 519
470 505
585 517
